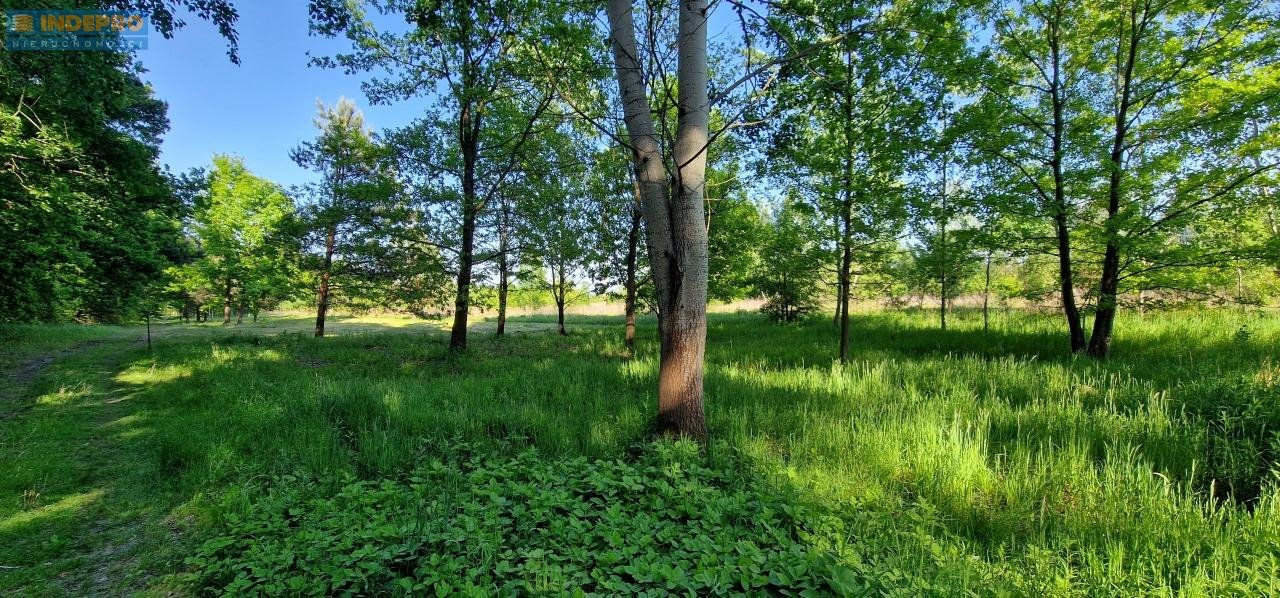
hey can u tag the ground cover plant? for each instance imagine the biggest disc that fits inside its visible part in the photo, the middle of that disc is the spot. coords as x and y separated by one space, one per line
231 459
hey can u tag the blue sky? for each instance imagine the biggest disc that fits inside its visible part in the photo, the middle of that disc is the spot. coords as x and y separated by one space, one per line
261 108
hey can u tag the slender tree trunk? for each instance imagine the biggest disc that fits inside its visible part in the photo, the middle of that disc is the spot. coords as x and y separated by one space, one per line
986 295
675 232
504 264
1109 286
469 127
840 286
562 296
322 294
846 212
226 303
254 311
942 237
633 246
1060 225
240 313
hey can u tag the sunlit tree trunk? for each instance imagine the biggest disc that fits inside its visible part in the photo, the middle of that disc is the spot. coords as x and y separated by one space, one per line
675 232
986 294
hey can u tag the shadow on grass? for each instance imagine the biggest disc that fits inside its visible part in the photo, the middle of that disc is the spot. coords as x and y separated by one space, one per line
1001 450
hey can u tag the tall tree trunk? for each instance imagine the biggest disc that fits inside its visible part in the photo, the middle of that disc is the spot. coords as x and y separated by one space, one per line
675 232
226 303
986 294
322 294
942 238
1109 286
633 246
240 313
468 127
846 211
561 296
1060 225
504 265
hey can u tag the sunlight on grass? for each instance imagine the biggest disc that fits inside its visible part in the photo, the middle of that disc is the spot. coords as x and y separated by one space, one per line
65 395
64 506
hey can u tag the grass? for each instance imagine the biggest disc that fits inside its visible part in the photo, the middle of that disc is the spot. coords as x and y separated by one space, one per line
932 464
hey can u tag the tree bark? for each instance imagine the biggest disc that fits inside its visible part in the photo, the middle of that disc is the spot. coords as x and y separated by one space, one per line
1061 228
468 130
675 232
1109 285
504 265
633 245
322 294
846 211
986 295
561 295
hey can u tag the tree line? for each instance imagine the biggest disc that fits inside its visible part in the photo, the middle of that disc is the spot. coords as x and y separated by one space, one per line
1093 155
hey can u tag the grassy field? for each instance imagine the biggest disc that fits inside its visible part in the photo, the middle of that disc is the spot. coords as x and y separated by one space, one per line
256 458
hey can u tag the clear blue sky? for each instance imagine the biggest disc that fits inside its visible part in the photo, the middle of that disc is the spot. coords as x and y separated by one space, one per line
261 108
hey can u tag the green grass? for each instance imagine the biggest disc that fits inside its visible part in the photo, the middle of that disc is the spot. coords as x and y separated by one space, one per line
933 463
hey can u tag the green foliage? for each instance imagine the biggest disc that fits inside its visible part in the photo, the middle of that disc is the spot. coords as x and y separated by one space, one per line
248 258
86 216
482 525
970 462
789 276
733 245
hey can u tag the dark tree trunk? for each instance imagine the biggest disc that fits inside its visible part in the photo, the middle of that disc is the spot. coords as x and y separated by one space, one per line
504 265
468 130
561 295
942 237
846 212
1109 286
322 294
504 286
846 261
1061 228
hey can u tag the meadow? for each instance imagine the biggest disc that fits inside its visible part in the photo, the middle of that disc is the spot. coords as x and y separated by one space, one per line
257 459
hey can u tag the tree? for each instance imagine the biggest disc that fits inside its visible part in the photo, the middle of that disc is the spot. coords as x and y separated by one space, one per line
1186 82
475 53
241 226
850 131
1026 124
676 234
350 205
789 273
617 260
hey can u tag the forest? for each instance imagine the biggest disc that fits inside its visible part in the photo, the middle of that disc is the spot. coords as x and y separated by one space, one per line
696 297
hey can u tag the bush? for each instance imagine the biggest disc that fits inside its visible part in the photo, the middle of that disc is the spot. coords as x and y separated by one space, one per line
523 524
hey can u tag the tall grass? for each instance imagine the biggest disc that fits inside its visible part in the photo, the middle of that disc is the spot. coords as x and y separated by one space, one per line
967 460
